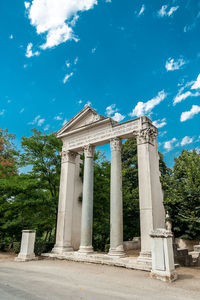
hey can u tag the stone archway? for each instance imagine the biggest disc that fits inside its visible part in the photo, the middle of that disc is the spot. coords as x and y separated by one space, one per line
82 133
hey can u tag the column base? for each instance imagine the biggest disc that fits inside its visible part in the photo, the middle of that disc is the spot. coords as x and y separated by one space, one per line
25 257
164 275
86 250
61 249
145 257
118 251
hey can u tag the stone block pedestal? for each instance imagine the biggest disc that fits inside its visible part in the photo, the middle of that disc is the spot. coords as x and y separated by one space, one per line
27 246
162 255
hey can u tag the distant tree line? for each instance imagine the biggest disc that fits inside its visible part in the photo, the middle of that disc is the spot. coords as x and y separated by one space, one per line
29 200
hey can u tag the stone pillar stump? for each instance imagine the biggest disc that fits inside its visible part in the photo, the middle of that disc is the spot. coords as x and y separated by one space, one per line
27 246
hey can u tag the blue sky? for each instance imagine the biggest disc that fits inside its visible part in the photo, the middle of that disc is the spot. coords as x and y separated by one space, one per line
125 58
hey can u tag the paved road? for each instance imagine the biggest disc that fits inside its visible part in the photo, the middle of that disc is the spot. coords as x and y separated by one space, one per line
52 280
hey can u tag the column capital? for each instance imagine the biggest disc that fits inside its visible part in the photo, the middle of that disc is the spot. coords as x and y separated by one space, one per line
68 156
116 144
147 135
89 151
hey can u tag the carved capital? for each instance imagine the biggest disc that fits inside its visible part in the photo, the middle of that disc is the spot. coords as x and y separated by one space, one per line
116 144
147 135
89 151
68 156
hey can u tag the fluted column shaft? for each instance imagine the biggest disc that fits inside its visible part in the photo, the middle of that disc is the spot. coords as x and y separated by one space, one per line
116 206
87 202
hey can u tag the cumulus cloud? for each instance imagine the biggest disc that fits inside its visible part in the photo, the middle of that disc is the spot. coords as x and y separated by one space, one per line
181 97
160 123
29 51
27 4
67 76
118 117
143 108
141 10
190 114
40 122
168 145
110 110
186 140
167 12
196 84
56 19
172 65
11 37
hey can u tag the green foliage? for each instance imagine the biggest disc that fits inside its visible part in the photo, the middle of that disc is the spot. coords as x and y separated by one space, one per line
182 195
30 201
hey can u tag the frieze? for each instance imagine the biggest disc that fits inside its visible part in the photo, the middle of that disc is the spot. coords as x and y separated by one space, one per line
104 135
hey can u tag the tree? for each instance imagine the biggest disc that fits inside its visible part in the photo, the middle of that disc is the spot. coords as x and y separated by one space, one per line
182 195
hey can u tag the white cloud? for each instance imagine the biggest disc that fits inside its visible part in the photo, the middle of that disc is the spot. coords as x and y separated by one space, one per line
80 101
186 140
118 117
170 144
76 60
46 127
37 120
2 112
21 110
29 52
67 64
88 103
141 10
11 37
181 97
172 65
94 50
40 122
64 122
27 4
67 76
58 118
172 10
143 108
190 114
108 1
160 123
56 19
196 84
164 13
110 110
161 134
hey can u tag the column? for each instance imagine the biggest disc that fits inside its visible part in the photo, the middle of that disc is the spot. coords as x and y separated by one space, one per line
87 202
116 209
65 206
152 213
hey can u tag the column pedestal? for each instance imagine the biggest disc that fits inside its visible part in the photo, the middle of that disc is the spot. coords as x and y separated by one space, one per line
87 202
116 205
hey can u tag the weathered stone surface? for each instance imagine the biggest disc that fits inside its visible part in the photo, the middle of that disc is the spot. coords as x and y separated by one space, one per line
27 246
163 267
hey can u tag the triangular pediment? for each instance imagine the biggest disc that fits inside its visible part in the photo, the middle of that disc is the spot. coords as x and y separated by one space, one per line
84 118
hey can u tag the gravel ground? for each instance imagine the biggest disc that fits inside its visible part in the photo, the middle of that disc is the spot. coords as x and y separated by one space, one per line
54 279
